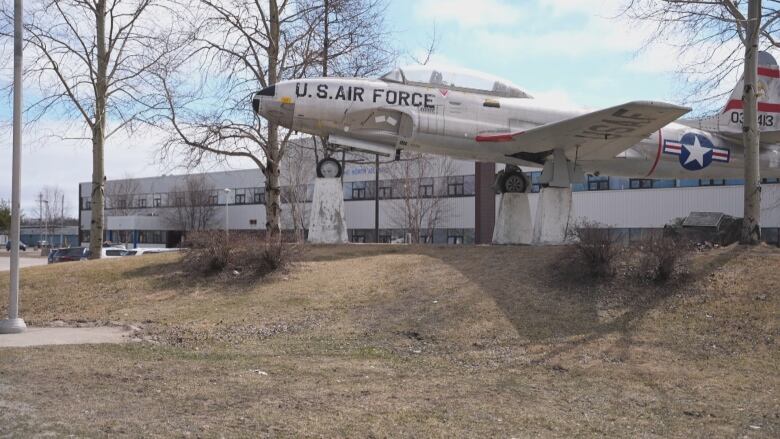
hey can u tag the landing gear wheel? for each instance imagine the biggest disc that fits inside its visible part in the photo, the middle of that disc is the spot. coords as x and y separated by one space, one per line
512 182
328 168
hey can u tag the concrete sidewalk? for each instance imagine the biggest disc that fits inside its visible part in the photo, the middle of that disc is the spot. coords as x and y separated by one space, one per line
5 262
61 336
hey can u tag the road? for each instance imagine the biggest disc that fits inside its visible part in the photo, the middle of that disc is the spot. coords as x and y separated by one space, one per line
5 262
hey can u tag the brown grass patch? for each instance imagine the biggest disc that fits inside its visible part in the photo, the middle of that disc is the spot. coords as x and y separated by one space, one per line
403 341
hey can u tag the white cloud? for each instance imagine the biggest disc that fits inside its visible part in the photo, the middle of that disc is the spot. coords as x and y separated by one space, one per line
468 13
556 98
587 34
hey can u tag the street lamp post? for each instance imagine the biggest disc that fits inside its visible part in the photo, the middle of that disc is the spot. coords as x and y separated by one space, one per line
15 324
227 222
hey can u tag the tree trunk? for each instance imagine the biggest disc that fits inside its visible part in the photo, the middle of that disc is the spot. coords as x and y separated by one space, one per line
273 206
98 134
751 222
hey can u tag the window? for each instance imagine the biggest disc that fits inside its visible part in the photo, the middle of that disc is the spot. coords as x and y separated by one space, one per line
426 187
770 180
640 183
121 204
253 222
87 203
385 192
712 182
157 202
533 177
598 183
358 236
455 186
359 190
259 198
240 199
454 238
213 199
385 238
141 202
179 200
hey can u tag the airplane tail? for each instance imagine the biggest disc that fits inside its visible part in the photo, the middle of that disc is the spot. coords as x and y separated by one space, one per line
730 119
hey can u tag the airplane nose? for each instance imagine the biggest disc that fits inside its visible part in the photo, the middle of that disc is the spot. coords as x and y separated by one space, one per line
266 104
264 94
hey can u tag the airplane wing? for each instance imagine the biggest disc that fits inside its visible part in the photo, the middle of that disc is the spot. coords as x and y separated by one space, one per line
601 134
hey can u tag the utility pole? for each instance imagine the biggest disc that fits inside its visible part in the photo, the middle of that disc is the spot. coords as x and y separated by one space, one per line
227 193
376 199
62 220
14 323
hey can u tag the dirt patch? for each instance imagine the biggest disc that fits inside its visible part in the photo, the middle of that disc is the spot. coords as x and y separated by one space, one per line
406 341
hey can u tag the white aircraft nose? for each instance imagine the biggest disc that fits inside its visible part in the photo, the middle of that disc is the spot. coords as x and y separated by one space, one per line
266 104
263 95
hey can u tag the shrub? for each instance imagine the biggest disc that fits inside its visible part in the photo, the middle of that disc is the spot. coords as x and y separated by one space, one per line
596 247
241 254
661 256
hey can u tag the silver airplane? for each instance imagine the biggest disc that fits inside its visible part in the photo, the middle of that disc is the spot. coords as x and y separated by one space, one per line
475 116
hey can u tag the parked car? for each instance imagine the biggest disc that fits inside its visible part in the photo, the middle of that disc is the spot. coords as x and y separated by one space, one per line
22 246
53 254
149 251
70 254
112 252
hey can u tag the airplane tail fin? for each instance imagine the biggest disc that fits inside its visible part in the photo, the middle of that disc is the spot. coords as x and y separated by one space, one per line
729 121
731 117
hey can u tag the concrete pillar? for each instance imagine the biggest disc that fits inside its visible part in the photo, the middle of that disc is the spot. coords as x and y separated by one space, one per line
513 222
553 215
327 220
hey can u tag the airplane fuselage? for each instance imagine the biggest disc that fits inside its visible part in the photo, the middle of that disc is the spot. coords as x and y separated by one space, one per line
382 117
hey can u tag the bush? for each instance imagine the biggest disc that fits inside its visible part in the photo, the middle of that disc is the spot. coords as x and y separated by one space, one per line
661 256
211 253
596 247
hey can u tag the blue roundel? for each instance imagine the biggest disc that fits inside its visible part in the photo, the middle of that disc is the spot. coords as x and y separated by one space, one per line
696 152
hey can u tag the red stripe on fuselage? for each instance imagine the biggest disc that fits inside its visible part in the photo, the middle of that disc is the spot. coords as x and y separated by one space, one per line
771 73
507 137
764 107
657 154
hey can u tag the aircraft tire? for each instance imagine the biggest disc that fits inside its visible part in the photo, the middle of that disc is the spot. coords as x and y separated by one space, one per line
329 168
513 182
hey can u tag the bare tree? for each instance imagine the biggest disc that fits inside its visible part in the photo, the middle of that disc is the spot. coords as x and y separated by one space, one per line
296 176
239 46
420 184
719 38
88 59
349 37
121 196
194 205
50 207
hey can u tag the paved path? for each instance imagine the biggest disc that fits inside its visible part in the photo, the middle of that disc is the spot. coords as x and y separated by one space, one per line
5 262
59 336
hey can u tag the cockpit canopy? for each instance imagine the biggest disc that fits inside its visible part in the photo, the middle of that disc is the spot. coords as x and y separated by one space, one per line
453 78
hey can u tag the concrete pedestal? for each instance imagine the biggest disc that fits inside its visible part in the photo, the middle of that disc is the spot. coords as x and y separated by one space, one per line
327 221
513 222
553 215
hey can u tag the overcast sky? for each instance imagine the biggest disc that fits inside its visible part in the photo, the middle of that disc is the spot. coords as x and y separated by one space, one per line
564 50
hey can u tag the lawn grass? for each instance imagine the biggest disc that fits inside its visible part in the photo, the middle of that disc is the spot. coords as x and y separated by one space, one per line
403 341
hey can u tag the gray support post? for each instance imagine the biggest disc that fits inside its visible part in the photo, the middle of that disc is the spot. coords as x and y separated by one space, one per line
14 324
